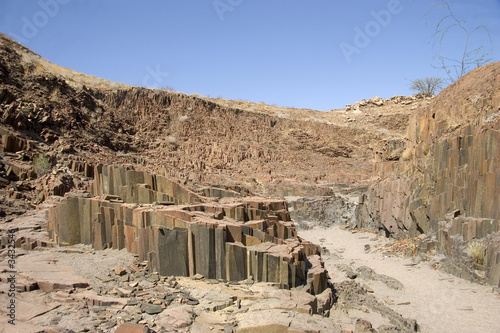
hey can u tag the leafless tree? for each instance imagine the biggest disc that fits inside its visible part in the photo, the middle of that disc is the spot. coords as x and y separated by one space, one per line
428 86
456 67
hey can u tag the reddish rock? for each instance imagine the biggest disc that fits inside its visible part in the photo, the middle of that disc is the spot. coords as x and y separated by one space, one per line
131 328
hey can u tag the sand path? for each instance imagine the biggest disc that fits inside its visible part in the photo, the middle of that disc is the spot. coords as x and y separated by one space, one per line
438 301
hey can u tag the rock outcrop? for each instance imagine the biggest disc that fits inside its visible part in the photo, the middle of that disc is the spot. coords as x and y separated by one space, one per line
444 177
183 233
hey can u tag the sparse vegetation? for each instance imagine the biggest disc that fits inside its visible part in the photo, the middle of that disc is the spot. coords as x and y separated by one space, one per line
477 251
42 165
428 86
167 88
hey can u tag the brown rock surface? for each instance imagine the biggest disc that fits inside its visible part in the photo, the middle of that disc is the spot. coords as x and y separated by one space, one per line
194 172
44 270
445 178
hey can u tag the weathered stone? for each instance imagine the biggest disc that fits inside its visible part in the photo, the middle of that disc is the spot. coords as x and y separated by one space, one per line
131 328
172 251
152 308
188 240
235 262
176 317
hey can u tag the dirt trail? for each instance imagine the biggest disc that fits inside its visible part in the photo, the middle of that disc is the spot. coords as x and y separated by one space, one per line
438 301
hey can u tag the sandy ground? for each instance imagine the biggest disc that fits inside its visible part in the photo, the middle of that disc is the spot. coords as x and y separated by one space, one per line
438 301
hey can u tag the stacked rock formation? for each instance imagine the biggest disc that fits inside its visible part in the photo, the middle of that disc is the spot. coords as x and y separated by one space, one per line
444 178
184 233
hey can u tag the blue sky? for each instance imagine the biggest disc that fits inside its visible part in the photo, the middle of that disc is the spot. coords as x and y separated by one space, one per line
320 55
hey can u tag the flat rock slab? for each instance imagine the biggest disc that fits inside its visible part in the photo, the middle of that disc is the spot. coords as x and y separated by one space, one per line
5 327
28 306
277 321
93 299
152 309
43 268
176 317
131 328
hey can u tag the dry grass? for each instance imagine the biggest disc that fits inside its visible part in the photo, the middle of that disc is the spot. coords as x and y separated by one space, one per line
39 66
408 247
477 251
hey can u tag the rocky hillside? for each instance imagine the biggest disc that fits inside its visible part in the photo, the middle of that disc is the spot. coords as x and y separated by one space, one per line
253 146
444 178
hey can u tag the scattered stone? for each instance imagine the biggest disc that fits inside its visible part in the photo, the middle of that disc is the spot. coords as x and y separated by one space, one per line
145 284
153 278
351 275
104 278
363 326
131 328
124 278
120 271
123 292
109 324
132 301
152 308
134 268
198 277
389 301
176 317
192 301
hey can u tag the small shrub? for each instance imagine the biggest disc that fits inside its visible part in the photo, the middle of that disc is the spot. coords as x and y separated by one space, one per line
167 88
428 86
42 165
477 251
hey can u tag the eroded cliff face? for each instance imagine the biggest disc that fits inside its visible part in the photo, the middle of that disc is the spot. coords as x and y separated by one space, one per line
444 177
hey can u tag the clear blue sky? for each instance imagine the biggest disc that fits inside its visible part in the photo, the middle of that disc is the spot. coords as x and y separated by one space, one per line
304 54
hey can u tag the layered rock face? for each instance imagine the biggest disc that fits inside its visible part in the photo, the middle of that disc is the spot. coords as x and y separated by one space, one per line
444 177
180 232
